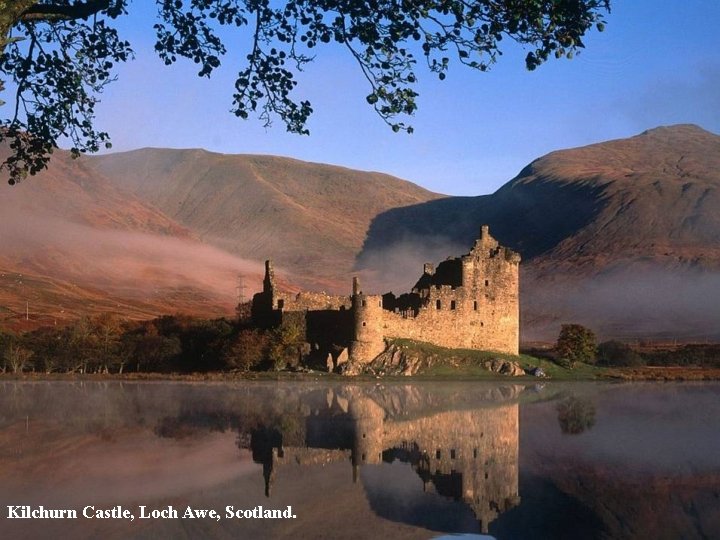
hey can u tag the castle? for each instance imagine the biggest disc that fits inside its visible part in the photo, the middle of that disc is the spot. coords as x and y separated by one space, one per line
468 302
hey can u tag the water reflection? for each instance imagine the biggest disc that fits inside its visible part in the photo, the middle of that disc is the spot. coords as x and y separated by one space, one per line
469 456
409 460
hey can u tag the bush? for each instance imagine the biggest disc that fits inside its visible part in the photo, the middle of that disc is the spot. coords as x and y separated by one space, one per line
575 344
617 354
247 351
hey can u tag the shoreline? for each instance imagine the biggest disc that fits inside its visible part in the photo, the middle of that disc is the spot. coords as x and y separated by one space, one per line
630 374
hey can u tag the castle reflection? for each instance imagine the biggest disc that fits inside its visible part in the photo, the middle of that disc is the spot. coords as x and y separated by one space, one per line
468 455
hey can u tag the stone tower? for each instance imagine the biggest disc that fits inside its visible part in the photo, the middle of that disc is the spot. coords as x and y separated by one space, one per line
368 341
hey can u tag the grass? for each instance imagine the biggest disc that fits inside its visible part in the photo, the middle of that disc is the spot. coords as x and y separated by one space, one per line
468 363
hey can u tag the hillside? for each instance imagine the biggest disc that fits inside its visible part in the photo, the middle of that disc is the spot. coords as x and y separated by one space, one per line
72 244
310 218
622 235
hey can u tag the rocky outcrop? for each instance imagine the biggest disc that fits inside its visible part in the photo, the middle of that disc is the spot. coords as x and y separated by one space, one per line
403 360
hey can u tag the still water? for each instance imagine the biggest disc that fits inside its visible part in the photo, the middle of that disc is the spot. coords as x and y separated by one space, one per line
427 460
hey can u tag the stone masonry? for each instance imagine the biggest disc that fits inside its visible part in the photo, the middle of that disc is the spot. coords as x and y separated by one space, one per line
468 302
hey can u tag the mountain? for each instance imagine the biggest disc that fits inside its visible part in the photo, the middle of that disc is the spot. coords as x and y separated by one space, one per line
623 235
160 231
71 243
311 219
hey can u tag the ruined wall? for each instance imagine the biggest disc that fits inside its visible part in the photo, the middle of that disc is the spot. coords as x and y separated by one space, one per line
309 301
468 302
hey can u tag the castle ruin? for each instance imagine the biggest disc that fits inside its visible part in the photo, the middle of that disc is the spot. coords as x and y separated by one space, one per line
468 302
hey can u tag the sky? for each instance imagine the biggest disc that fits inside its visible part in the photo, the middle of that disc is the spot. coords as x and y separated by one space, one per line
655 64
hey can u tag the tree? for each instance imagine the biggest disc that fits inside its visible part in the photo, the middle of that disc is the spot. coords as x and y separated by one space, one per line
616 353
17 357
576 344
247 350
59 54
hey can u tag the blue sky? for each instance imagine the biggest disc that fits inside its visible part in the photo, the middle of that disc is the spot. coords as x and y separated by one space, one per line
656 63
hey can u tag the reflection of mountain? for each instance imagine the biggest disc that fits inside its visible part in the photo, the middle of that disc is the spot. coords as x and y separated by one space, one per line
465 455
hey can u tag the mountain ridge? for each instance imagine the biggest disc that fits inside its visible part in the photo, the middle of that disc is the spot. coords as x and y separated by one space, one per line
606 212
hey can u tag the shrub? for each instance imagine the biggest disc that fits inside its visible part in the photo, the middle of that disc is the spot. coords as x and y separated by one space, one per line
575 344
616 353
247 351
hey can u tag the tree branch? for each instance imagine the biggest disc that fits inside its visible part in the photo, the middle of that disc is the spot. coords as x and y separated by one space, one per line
66 12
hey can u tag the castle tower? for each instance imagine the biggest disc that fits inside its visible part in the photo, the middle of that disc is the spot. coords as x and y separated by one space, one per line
368 340
269 280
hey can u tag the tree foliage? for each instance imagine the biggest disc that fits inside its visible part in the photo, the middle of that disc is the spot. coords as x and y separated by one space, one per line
60 54
576 344
616 353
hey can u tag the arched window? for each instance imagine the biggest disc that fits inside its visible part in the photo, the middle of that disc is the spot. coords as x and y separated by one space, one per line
438 305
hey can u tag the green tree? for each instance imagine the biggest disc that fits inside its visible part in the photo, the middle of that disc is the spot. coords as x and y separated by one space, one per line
59 54
285 344
575 344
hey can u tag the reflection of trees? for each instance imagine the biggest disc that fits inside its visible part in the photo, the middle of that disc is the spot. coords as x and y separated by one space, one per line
575 415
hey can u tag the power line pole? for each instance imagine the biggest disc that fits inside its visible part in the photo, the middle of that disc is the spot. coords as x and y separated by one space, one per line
240 288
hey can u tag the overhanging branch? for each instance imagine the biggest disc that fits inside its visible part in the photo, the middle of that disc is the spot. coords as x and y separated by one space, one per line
66 12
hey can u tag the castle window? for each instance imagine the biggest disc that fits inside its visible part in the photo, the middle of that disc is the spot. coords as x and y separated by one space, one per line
452 453
482 324
475 453
452 304
363 457
438 305
438 454
363 303
364 323
475 305
487 283
281 304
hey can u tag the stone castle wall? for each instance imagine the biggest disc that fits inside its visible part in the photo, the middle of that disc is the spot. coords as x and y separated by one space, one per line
467 302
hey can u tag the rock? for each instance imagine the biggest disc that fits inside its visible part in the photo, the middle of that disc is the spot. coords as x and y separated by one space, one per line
512 369
536 372
342 358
